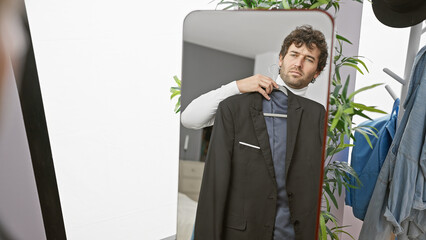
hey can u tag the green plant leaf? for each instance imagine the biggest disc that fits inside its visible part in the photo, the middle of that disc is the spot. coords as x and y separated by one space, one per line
177 80
174 89
366 130
285 4
340 37
345 89
364 126
337 6
343 147
331 196
177 106
248 3
264 5
363 64
328 215
359 113
337 90
367 108
337 117
174 94
327 202
354 66
363 89
336 58
338 230
366 138
356 61
316 5
330 150
337 74
323 228
339 181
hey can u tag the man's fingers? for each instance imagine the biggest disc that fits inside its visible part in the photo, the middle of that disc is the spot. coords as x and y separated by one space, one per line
271 81
268 84
261 91
274 84
270 88
265 85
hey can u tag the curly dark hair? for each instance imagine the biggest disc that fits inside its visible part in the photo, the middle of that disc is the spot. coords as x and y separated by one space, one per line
311 38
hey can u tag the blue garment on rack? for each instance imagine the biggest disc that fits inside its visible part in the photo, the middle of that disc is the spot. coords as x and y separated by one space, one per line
398 203
367 161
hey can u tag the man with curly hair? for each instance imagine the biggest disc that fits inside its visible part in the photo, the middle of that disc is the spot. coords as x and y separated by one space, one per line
262 173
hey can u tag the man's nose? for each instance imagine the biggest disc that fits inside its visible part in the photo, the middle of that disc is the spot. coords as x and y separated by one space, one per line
299 62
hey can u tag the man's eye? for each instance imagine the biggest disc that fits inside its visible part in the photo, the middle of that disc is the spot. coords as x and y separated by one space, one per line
310 60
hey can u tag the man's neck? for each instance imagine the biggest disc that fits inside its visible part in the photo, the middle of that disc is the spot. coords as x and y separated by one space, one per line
300 92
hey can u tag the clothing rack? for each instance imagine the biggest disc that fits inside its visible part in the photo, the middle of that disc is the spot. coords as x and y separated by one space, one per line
391 92
413 47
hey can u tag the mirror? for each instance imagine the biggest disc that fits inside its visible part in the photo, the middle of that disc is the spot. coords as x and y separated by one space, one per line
218 48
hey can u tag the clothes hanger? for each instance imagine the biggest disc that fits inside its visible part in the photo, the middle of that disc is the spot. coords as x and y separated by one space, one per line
275 115
282 89
273 70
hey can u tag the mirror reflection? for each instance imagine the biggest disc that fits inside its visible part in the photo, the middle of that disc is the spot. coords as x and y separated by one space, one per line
254 100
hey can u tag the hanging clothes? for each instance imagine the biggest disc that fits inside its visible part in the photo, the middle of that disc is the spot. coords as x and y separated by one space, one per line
367 161
277 132
398 203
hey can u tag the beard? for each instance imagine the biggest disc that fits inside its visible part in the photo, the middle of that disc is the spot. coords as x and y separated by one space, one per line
296 81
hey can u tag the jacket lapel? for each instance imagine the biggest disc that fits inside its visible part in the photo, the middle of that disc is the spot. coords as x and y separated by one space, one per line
262 133
294 114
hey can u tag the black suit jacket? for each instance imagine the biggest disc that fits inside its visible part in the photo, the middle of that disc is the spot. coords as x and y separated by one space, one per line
239 193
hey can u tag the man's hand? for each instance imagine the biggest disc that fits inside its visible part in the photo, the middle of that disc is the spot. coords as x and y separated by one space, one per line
257 83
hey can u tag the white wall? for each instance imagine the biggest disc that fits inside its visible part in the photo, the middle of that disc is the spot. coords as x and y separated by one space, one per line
105 70
383 47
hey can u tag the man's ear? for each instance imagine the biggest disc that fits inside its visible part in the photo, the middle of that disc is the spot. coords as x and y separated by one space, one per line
317 73
281 60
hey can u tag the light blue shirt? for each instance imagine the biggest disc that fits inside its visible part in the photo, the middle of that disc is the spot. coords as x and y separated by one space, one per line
398 202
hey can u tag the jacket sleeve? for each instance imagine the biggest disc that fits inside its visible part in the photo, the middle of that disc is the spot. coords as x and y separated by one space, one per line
211 204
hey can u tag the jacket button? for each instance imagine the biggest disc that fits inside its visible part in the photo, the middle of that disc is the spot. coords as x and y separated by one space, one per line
290 194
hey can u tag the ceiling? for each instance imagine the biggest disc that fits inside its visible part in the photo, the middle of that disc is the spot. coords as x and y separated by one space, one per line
248 33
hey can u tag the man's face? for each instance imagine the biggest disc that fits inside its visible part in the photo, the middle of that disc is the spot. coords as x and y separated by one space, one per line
299 66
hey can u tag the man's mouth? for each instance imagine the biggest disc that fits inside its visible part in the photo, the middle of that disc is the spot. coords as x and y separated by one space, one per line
296 72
